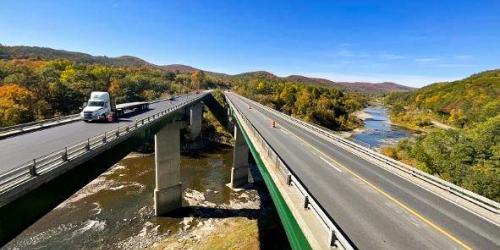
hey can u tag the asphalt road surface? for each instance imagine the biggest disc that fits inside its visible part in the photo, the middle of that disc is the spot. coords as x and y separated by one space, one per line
22 148
375 208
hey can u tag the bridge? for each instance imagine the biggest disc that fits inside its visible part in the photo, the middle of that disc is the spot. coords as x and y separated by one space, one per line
44 163
329 192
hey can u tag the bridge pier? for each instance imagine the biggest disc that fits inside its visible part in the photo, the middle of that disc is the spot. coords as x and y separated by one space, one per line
168 191
195 117
239 171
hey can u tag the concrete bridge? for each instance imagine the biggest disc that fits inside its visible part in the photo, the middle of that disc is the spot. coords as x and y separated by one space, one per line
42 168
329 192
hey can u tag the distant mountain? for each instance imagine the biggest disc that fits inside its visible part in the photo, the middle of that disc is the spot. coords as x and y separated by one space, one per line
42 53
179 68
363 87
27 52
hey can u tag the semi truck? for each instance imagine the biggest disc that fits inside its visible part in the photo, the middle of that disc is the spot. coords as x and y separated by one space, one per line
101 108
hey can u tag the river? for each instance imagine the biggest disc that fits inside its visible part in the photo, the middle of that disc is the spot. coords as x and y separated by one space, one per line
377 129
115 211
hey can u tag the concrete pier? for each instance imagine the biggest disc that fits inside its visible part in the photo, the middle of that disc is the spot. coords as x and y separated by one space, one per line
195 117
239 171
168 191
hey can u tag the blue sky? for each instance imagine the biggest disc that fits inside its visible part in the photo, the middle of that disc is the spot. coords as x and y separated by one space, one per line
409 42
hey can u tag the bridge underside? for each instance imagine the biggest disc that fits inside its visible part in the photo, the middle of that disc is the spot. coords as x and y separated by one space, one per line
34 202
239 175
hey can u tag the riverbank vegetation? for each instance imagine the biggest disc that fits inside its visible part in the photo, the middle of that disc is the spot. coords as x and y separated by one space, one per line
469 153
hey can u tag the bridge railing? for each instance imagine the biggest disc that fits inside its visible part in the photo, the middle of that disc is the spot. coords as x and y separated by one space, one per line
29 126
336 237
46 163
364 151
36 125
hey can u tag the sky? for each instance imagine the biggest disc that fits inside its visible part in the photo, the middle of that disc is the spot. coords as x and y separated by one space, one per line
409 42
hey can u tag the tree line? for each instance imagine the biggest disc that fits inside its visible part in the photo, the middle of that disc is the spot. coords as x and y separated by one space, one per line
37 89
328 107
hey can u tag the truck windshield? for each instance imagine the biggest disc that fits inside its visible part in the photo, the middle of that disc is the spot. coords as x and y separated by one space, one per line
96 104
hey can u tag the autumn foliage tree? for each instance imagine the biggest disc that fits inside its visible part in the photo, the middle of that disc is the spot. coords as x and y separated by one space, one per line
36 89
16 104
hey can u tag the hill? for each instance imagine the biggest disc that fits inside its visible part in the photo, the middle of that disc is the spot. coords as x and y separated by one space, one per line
467 154
42 53
179 68
361 87
458 103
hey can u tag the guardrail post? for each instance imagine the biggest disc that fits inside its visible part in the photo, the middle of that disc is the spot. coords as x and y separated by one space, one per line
306 202
332 238
117 133
87 146
104 138
33 168
64 155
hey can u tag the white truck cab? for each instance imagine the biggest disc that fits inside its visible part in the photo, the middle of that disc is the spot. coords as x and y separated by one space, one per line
98 107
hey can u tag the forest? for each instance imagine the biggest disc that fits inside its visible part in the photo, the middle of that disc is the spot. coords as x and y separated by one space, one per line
37 89
328 107
468 154
33 89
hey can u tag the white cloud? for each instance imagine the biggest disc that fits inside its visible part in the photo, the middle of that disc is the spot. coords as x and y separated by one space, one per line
426 59
344 45
350 53
389 56
463 57
457 65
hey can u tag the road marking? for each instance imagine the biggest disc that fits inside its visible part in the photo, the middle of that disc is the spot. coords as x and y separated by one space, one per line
401 204
329 163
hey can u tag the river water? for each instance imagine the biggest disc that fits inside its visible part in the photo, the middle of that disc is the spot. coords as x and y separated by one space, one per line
115 211
378 130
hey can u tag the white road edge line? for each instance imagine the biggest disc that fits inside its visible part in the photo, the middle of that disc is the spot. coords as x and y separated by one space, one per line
329 163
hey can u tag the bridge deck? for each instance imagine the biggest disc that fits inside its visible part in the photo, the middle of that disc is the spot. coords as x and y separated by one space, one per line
17 150
375 208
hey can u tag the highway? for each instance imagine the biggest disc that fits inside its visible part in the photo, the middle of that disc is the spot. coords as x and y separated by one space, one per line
375 208
22 148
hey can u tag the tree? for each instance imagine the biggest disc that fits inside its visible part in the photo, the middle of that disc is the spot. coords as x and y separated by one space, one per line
198 79
16 104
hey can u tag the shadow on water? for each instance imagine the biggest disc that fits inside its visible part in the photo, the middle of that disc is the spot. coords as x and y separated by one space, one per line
213 212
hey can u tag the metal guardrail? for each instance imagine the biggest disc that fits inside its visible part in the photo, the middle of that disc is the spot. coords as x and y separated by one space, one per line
470 196
44 164
4 131
336 237
35 125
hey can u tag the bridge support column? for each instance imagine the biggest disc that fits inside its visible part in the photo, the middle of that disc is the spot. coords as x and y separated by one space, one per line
168 191
239 171
195 117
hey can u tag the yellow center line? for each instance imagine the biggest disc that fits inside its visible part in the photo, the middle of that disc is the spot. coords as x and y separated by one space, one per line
401 204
